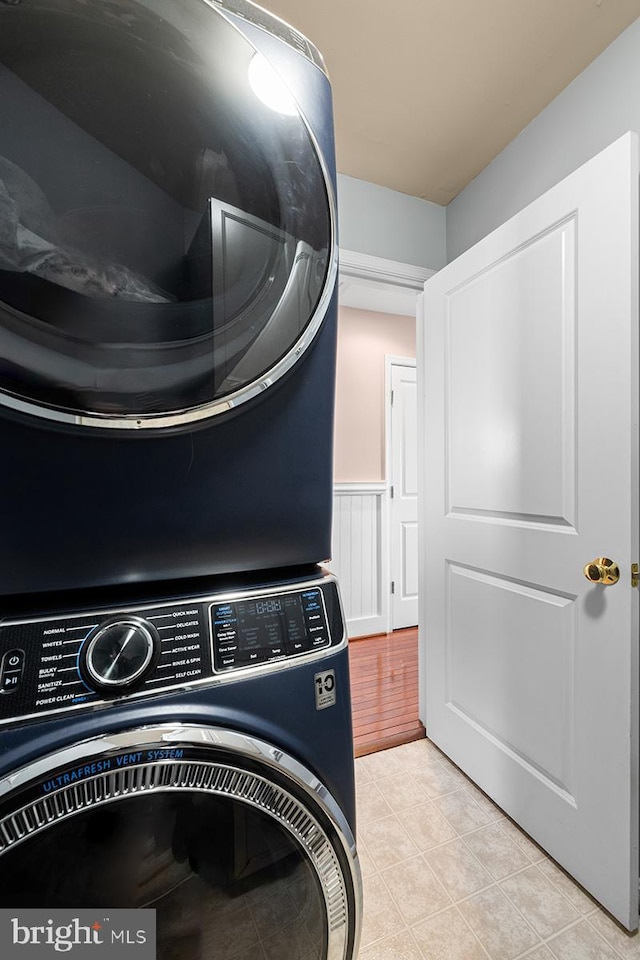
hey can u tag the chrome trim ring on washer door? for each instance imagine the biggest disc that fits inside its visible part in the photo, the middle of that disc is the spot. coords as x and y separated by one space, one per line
241 768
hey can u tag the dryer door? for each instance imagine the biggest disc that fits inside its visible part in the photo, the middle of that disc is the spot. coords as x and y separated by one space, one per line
166 218
240 850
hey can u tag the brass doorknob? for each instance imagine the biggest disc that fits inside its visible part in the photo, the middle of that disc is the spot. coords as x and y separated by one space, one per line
602 570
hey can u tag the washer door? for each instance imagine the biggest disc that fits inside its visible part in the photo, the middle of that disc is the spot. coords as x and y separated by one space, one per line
240 850
166 221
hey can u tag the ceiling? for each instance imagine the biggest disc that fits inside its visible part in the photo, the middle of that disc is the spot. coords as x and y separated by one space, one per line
427 92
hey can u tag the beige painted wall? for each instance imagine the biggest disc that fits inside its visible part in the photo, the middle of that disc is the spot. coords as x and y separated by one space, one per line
363 340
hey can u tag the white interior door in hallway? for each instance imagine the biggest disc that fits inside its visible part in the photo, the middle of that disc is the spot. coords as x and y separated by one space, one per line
529 471
402 472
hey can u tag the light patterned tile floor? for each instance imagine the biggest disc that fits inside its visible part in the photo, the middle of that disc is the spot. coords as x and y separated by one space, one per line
448 877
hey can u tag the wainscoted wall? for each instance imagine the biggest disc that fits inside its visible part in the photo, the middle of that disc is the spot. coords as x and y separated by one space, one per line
360 555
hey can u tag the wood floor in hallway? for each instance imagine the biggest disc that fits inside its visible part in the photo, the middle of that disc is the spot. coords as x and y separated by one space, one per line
384 690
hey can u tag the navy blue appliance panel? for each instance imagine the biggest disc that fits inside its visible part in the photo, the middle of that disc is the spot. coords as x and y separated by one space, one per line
278 707
249 491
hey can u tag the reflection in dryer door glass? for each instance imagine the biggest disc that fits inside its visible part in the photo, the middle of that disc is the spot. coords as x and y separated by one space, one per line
164 233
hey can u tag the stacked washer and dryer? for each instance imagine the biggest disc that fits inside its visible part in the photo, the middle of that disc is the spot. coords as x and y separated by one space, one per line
175 725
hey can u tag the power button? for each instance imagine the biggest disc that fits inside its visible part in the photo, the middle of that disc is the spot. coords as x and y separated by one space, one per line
11 670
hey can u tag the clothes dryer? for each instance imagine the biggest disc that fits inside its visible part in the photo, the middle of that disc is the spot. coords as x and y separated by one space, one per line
188 754
167 293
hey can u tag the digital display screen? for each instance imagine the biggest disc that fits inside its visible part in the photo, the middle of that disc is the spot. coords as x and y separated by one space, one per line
256 630
271 605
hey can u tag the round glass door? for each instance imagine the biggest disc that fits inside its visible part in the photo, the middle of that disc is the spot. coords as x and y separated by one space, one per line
235 858
166 223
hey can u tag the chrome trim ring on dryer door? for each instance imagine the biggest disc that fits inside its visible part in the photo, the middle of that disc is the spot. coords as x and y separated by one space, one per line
259 382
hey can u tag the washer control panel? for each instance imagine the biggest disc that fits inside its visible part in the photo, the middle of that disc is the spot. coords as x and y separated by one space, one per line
252 631
67 662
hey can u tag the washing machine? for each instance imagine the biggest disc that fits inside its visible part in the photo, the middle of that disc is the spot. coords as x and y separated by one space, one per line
168 267
186 754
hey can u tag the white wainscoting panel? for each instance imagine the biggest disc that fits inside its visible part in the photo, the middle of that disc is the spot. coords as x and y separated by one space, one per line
359 555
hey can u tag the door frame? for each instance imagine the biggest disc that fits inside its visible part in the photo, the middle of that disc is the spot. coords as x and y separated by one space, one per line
388 573
385 286
375 283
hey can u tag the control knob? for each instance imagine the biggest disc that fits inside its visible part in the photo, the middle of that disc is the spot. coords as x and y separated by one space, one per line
120 653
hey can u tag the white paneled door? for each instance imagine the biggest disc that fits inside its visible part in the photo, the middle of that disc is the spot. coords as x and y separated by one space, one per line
529 469
403 511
